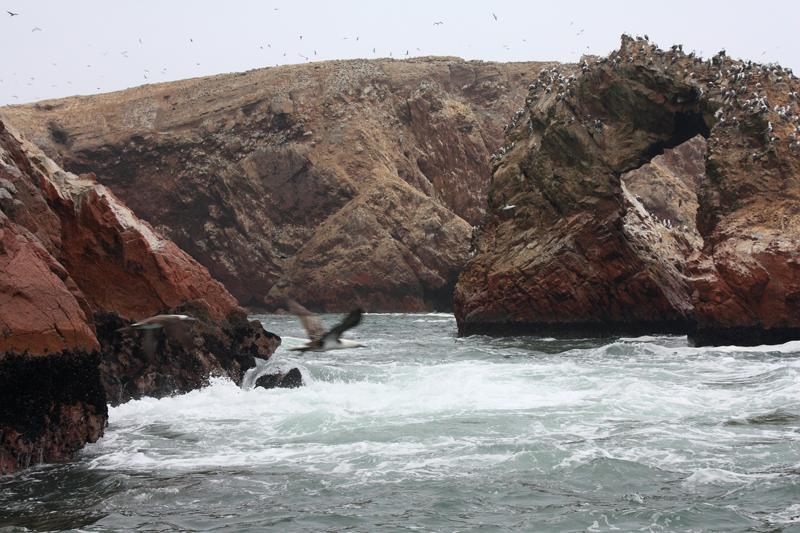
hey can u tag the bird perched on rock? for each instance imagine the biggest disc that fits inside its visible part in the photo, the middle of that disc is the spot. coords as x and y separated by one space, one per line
176 327
319 339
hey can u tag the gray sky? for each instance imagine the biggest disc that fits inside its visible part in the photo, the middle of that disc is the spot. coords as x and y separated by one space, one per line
90 46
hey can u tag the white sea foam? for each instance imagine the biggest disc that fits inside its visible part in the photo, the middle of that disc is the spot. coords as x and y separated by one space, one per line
641 417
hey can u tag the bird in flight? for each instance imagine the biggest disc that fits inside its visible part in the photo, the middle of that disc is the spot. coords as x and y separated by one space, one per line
495 16
12 14
37 28
439 23
175 327
319 339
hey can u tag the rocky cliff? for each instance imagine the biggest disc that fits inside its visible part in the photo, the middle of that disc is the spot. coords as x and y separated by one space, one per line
77 265
568 246
340 183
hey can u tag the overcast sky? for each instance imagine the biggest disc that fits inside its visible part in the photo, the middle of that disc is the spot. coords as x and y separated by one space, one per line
57 48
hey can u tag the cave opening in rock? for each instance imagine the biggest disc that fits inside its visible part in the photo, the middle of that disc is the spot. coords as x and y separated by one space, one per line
688 124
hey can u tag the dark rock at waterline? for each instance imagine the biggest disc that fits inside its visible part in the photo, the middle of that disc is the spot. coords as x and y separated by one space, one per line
290 380
159 363
50 406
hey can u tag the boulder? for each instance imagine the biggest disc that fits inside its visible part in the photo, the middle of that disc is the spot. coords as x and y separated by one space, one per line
290 380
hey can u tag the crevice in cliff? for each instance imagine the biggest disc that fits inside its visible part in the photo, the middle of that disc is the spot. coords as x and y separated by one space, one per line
687 125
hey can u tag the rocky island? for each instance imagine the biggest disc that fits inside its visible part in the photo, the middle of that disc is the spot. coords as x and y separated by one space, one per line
568 247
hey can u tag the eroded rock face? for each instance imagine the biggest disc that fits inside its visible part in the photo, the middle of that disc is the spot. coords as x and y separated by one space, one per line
77 265
564 248
51 399
255 174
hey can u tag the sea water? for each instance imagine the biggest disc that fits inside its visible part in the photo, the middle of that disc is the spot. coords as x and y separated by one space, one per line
425 431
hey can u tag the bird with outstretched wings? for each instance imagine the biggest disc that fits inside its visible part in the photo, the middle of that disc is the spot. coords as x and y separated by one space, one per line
320 340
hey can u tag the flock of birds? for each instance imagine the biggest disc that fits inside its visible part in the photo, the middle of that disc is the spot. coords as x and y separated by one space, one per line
147 73
739 88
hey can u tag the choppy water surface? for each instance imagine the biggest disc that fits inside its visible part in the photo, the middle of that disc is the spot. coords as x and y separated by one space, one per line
426 431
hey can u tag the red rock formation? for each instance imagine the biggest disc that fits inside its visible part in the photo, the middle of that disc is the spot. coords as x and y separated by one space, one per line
561 250
75 261
39 311
254 174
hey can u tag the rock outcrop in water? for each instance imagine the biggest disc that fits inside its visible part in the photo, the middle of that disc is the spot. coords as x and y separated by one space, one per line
289 380
566 247
76 266
341 183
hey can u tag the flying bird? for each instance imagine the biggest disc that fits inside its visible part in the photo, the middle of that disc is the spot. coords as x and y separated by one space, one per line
12 14
37 28
174 327
439 23
495 16
319 339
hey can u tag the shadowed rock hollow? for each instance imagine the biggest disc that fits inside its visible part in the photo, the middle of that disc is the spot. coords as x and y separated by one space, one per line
341 183
566 247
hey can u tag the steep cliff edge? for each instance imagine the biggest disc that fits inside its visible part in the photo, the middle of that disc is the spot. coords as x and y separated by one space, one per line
299 179
563 248
76 266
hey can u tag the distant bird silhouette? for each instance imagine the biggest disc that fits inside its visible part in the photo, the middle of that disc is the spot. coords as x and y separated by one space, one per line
37 28
12 14
495 16
319 339
439 23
